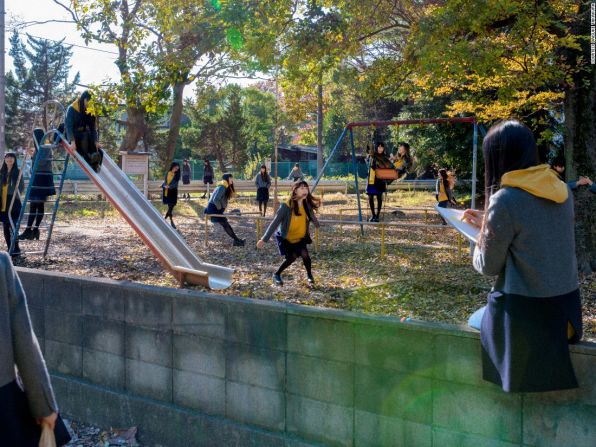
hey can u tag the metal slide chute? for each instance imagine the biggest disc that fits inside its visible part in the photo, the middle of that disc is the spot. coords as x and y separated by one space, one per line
163 240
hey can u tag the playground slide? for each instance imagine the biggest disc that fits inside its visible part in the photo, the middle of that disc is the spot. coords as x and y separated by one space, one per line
163 240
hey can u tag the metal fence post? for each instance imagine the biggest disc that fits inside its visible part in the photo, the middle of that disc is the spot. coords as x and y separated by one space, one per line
206 229
382 240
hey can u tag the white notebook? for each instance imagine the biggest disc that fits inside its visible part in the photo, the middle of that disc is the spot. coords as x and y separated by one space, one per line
453 218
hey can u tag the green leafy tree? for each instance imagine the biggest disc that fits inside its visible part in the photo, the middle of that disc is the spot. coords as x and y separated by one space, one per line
42 70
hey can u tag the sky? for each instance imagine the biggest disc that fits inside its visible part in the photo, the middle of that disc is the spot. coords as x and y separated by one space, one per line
94 66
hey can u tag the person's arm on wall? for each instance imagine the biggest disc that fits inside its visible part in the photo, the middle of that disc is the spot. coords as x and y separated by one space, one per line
27 355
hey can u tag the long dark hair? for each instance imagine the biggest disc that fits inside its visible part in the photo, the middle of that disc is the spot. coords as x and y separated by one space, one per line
264 175
230 191
14 172
177 173
508 146
313 202
444 178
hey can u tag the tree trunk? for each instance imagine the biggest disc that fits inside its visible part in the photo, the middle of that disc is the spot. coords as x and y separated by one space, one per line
580 153
135 128
320 153
175 120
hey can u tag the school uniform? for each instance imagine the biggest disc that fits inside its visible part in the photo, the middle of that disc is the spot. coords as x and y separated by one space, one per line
42 183
291 231
218 202
170 194
376 186
443 193
19 347
263 186
8 188
535 299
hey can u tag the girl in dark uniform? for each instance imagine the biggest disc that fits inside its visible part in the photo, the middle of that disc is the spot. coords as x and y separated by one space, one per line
263 183
9 174
170 190
527 241
292 222
42 187
376 187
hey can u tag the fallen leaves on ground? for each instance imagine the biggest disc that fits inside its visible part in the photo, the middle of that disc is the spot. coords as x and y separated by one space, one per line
422 276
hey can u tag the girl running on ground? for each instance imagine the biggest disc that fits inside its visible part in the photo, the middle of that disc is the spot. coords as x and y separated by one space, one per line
263 183
218 204
292 221
170 190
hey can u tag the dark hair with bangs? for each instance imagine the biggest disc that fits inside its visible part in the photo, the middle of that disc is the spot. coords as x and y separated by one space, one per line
313 202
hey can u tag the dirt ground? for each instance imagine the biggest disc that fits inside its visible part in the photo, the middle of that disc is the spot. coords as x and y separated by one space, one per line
422 276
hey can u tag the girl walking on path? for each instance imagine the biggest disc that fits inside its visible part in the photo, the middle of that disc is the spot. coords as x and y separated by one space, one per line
263 183
9 175
186 176
376 187
527 241
42 187
218 204
170 190
292 222
22 415
207 177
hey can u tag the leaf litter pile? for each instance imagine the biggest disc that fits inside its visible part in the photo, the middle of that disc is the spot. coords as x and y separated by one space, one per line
421 276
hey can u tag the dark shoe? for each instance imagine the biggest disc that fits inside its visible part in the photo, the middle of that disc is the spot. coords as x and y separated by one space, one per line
277 279
238 242
26 235
173 226
371 219
17 251
311 280
35 234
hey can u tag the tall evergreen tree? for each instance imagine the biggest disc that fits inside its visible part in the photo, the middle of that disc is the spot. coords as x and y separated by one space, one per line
41 73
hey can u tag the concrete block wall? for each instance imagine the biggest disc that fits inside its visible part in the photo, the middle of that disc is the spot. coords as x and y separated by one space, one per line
194 369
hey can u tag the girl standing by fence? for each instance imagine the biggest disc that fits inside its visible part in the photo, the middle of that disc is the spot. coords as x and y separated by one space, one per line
263 183
291 222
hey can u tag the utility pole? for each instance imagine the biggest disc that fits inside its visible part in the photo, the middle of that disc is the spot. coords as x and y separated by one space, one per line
2 80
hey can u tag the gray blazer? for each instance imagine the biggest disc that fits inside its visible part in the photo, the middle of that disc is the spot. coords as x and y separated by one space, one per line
18 344
282 221
218 198
531 248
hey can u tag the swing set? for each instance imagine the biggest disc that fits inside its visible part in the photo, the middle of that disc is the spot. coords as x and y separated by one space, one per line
421 121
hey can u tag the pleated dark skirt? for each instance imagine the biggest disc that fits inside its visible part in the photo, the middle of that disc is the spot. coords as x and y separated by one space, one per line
42 186
525 347
262 194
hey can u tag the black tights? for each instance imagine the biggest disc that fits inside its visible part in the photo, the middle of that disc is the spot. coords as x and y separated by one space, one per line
291 257
228 229
8 236
170 213
371 203
263 208
36 212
